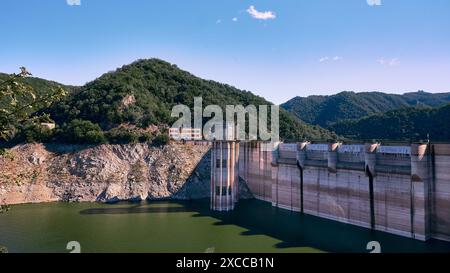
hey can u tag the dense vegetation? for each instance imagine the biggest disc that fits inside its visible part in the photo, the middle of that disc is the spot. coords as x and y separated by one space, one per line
20 102
408 124
41 86
326 110
133 104
144 92
125 105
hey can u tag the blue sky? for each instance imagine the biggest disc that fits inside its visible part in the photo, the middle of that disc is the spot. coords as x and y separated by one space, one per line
277 49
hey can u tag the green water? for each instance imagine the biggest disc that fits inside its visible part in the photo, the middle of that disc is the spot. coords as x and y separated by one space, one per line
254 226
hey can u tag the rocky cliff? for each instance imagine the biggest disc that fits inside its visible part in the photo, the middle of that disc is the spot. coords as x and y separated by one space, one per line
42 173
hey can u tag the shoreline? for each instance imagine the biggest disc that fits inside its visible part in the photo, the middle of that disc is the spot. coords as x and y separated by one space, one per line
37 173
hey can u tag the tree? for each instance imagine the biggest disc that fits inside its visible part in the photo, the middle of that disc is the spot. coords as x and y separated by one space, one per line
20 101
122 135
161 140
82 132
33 133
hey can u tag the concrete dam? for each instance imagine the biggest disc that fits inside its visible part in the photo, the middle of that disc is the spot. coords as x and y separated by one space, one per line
404 190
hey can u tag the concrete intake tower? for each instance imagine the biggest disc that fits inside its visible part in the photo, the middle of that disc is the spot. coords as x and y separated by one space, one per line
224 175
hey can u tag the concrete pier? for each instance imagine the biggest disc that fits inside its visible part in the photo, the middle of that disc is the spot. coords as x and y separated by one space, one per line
224 175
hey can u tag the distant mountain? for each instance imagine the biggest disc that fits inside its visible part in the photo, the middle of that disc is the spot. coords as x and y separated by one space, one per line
326 110
403 124
144 92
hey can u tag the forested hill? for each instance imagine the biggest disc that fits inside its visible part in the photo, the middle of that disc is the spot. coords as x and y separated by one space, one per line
144 92
41 85
408 124
325 110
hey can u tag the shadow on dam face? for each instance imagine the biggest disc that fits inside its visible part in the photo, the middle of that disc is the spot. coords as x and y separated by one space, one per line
293 229
371 198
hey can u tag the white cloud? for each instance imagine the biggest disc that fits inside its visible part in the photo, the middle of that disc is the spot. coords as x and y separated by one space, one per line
219 21
389 62
374 2
326 59
235 19
381 61
261 15
394 62
73 2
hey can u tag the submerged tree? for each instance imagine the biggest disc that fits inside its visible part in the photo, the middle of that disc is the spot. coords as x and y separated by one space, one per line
19 102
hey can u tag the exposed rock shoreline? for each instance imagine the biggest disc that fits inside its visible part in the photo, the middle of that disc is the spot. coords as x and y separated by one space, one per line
34 173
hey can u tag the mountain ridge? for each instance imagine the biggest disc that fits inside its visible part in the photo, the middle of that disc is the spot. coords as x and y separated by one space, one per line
406 124
39 83
325 110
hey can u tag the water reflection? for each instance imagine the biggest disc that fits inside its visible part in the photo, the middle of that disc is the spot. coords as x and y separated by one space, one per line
294 230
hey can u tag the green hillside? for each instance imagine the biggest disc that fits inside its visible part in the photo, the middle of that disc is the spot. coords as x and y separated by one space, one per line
41 85
408 124
325 110
152 88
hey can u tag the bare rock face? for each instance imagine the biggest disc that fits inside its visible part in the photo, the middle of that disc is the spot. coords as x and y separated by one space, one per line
105 173
128 100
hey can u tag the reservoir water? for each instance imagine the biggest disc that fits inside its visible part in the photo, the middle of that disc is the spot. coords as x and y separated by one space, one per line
254 226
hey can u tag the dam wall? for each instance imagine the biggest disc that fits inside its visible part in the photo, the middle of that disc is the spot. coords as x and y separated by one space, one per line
404 190
256 169
440 191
